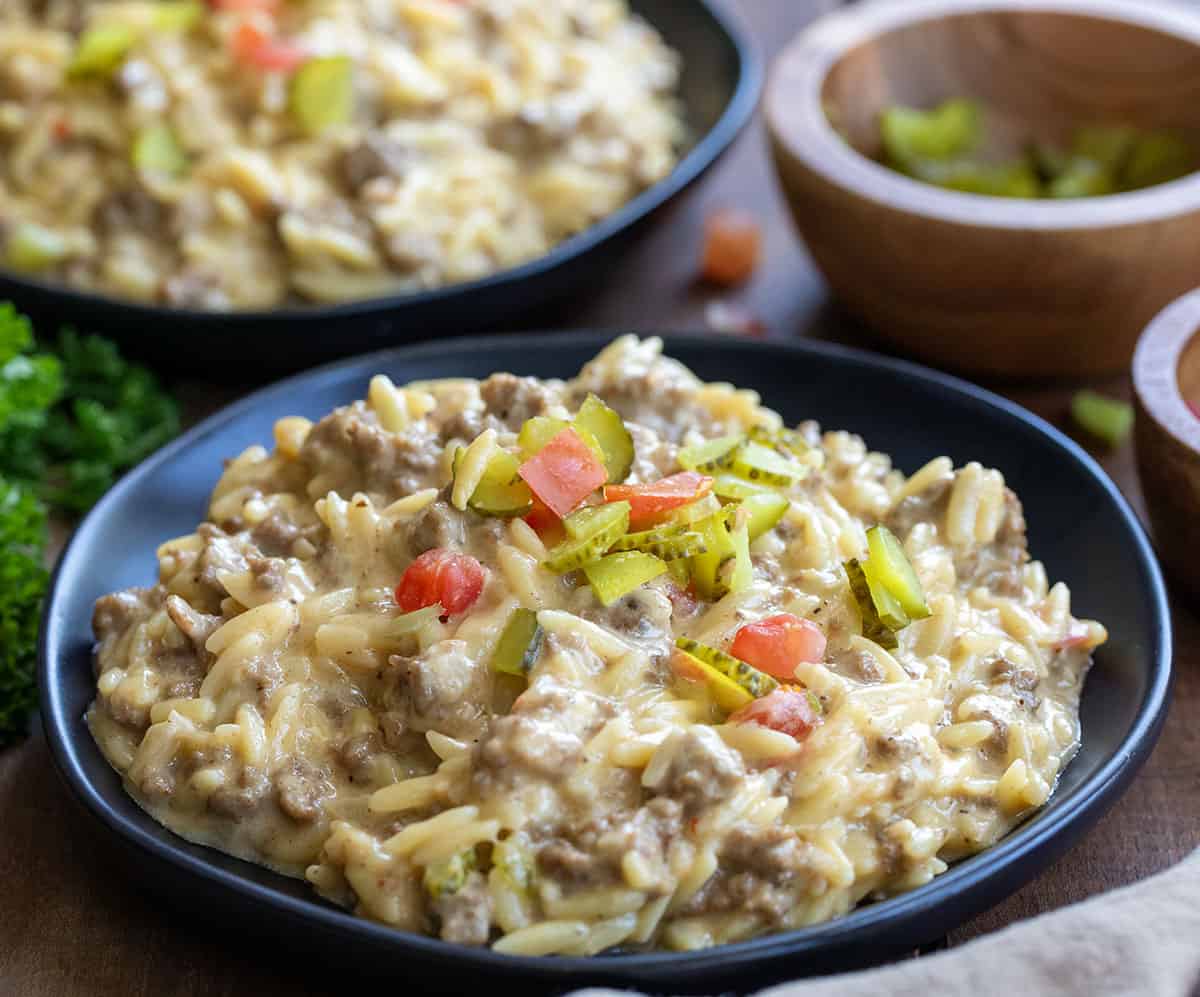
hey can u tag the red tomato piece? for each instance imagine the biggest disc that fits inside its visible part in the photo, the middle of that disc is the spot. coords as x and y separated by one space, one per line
564 472
650 503
440 577
541 518
732 247
778 644
784 710
255 47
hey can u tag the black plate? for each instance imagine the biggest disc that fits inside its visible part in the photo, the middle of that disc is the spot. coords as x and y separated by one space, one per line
721 80
1078 524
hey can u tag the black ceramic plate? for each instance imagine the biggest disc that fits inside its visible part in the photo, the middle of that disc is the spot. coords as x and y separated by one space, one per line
1078 524
722 76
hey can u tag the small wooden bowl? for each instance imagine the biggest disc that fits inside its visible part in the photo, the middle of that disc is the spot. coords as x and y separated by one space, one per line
1166 374
986 284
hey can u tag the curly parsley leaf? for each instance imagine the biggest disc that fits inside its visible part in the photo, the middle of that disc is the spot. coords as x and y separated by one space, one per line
71 421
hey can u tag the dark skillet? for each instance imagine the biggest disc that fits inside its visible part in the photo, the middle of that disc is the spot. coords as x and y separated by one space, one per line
1079 525
722 77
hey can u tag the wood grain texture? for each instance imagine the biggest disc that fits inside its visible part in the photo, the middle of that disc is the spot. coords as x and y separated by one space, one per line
1166 374
994 285
70 924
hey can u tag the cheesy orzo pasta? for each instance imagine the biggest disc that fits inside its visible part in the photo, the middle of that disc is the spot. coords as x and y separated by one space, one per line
237 154
617 661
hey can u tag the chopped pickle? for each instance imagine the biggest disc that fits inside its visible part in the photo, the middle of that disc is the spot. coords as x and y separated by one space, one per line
678 544
711 455
950 130
785 440
519 644
757 462
695 511
449 875
680 572
756 683
889 564
31 248
574 552
763 512
1015 179
1158 157
322 93
727 694
500 491
592 519
536 432
1108 145
100 50
873 625
664 531
718 548
730 486
743 568
1106 418
599 422
157 150
619 574
1082 178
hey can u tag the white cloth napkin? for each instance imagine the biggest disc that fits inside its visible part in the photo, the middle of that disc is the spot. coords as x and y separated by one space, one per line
1140 941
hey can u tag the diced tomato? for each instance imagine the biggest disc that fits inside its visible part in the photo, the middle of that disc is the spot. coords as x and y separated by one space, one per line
778 644
684 666
541 518
255 47
440 577
784 710
564 472
61 129
732 246
650 503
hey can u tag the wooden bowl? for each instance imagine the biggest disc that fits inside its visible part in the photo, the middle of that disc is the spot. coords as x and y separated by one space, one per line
1166 375
986 284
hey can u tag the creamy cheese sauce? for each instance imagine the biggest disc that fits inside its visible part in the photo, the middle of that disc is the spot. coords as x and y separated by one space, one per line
262 699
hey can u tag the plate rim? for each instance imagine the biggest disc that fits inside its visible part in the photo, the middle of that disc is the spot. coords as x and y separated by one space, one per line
695 161
1081 808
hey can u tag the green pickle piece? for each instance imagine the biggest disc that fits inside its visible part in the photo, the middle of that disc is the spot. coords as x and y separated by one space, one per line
949 130
874 627
157 150
31 248
680 543
607 428
1158 157
536 432
410 623
591 519
718 548
100 50
730 486
743 568
711 455
1082 178
574 552
725 691
890 565
177 15
756 683
519 645
763 512
759 463
500 491
788 441
693 512
619 574
449 875
322 93
1106 418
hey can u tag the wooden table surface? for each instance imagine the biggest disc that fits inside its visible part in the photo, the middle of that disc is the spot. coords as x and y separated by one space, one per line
70 925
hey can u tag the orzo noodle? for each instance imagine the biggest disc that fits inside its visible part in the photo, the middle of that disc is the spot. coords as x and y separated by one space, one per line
385 665
247 155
